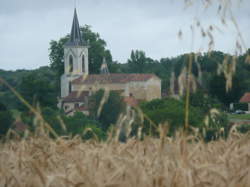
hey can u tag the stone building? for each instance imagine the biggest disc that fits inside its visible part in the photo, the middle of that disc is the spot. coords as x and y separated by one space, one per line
77 84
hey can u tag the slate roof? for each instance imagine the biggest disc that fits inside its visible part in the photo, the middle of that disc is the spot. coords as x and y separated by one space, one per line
113 78
75 35
245 98
76 96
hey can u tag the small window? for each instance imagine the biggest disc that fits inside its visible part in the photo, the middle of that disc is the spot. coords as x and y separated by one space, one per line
83 63
70 63
70 87
66 107
76 105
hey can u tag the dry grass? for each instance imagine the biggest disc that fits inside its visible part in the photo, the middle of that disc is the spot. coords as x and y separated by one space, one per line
152 162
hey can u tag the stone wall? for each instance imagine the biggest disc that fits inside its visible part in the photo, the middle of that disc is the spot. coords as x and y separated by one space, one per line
148 90
153 89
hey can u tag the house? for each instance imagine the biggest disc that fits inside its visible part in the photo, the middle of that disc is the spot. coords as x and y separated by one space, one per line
246 99
77 85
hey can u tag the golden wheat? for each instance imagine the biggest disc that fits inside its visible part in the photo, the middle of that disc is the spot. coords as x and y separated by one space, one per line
152 162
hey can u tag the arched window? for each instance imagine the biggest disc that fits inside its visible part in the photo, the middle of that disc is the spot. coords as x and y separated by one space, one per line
83 63
70 63
70 87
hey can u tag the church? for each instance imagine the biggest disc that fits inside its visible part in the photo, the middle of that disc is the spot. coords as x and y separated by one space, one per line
77 85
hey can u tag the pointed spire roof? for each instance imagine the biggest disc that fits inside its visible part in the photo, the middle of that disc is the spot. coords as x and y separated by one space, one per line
75 35
104 67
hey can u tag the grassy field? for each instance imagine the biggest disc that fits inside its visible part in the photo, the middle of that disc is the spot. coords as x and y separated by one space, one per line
239 116
152 162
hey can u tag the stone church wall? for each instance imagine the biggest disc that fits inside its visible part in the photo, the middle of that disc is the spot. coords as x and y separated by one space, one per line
117 87
153 89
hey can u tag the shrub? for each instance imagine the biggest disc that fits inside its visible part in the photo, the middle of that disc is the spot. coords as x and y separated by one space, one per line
172 111
6 120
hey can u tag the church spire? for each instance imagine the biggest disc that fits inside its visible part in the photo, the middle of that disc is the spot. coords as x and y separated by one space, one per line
104 67
75 35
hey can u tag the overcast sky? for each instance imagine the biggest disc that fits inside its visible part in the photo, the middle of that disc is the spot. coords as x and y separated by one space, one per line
27 27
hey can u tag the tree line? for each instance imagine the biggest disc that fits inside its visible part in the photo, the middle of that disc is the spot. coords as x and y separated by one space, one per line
42 86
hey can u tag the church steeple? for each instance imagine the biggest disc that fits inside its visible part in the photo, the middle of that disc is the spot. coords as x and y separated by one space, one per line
75 58
104 67
75 35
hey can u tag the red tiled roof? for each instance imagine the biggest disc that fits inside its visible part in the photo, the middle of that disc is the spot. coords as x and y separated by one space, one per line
245 98
76 96
131 101
113 78
82 108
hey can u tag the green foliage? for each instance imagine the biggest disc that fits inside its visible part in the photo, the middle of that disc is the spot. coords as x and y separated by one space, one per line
94 103
217 89
217 127
111 109
241 106
201 100
217 123
97 51
6 120
171 111
245 128
137 61
93 132
36 89
15 79
78 124
56 55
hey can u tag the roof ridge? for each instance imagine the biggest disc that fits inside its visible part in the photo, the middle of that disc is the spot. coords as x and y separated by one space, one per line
113 78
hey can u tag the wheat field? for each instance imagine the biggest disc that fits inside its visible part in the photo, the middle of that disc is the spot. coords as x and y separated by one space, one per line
178 162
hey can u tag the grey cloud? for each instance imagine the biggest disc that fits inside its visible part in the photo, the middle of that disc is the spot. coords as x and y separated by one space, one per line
27 26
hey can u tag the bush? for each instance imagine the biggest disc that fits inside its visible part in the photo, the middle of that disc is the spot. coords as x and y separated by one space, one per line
217 127
171 111
67 125
6 120
245 128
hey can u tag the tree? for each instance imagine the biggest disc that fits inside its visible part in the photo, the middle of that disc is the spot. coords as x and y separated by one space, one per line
137 61
87 128
111 109
78 124
217 88
171 111
6 120
36 89
97 51
205 102
215 118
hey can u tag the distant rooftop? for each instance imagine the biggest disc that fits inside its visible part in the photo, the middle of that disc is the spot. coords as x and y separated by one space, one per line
245 98
113 78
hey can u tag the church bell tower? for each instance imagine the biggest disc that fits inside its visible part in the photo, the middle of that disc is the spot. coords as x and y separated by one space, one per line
75 58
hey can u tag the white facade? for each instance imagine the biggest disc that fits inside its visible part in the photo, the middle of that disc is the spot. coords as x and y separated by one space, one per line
75 65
